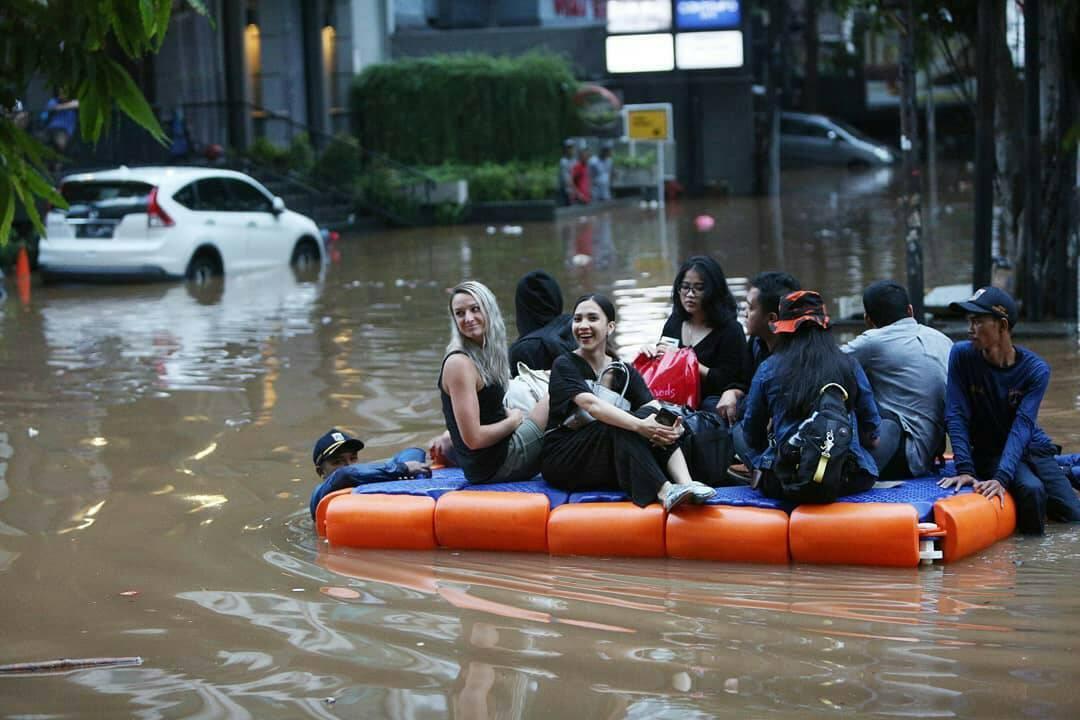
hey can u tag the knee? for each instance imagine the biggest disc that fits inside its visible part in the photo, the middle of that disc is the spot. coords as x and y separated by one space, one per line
1028 486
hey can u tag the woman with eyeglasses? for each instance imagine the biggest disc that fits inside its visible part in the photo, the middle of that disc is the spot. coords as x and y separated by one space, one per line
704 317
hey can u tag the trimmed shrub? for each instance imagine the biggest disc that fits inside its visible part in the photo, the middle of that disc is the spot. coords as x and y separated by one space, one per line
466 108
503 182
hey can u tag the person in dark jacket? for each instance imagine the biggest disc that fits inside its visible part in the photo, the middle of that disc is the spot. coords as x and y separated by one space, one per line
992 400
782 394
763 309
335 458
544 331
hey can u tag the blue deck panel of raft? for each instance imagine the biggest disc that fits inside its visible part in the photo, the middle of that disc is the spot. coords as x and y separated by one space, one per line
921 493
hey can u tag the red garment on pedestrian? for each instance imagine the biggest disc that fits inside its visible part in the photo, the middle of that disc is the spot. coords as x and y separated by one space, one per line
580 175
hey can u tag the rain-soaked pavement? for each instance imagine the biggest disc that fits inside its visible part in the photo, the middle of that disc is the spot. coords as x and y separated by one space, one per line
155 468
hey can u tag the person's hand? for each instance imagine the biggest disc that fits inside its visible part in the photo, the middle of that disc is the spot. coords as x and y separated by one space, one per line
417 469
517 415
659 434
439 448
956 481
990 489
728 406
652 350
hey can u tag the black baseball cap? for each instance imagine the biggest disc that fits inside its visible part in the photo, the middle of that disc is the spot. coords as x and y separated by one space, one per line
332 442
989 301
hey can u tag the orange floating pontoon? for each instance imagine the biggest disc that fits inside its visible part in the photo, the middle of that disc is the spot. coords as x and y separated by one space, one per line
899 527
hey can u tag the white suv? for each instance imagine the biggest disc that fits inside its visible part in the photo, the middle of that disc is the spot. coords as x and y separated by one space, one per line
189 222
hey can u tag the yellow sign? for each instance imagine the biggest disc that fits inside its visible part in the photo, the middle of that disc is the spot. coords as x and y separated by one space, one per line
647 124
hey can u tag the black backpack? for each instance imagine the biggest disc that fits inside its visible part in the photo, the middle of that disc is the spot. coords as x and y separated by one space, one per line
815 463
708 448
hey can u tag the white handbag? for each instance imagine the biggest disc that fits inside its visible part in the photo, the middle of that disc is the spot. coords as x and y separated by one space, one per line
579 418
526 389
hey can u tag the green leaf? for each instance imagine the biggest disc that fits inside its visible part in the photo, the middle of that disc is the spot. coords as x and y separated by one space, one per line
41 187
131 101
7 209
150 18
27 200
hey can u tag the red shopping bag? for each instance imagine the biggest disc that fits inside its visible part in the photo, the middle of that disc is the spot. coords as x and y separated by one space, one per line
672 377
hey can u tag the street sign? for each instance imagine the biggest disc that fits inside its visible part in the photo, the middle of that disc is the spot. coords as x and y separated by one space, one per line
650 122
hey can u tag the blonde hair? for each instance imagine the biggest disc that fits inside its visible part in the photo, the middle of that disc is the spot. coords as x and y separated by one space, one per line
491 359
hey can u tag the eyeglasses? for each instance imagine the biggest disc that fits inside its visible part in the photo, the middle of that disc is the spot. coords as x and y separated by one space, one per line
697 288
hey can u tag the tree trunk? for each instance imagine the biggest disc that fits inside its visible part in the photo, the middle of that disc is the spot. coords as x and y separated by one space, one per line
1008 181
810 45
911 200
1056 271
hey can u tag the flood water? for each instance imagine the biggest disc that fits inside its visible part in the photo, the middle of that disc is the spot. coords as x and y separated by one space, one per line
155 468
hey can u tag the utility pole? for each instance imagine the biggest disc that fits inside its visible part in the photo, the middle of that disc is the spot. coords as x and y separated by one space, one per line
1032 165
985 54
911 201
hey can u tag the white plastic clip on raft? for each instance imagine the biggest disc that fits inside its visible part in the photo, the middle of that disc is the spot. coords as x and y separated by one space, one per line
929 533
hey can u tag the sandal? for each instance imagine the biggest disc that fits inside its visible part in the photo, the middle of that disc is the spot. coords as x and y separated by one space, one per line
677 495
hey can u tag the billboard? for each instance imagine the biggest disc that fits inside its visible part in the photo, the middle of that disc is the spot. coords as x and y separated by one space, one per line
664 35
638 16
708 14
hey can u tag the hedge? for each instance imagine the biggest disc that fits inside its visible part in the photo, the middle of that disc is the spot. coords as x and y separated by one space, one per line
466 108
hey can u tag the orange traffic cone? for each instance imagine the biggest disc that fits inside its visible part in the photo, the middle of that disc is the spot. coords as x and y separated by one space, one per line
22 275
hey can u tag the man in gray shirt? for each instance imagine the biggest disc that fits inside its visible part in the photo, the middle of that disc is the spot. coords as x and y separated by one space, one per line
600 167
907 365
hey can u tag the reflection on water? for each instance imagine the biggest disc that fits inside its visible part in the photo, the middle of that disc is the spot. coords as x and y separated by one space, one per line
165 338
156 441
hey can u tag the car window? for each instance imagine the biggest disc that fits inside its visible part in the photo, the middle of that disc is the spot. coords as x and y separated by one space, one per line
186 196
100 191
244 197
791 126
109 199
212 195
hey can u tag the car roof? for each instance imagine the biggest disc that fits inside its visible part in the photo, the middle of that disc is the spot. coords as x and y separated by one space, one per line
806 116
156 174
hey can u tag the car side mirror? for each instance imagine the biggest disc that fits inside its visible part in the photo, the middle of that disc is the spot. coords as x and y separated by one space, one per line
278 206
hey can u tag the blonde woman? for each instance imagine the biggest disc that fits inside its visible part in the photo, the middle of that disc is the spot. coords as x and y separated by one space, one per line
492 444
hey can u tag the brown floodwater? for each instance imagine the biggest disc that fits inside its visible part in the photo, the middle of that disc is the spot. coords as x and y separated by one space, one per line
155 471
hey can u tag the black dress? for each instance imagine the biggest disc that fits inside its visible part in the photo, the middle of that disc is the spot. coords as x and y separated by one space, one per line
723 351
599 456
479 465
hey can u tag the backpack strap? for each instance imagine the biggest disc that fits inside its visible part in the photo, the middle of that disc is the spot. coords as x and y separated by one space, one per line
827 446
838 386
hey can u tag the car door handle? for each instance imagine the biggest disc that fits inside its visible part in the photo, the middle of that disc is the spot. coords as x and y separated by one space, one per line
252 224
210 222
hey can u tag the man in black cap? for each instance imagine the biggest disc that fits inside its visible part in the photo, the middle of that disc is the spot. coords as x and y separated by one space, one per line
334 456
992 404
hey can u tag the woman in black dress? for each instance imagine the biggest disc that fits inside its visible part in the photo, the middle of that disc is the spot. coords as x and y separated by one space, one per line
619 450
491 443
704 317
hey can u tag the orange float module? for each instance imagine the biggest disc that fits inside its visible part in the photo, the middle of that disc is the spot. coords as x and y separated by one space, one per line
902 526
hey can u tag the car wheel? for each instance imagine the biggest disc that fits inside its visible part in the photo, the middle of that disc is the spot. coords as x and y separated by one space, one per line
203 268
305 255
